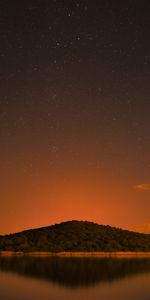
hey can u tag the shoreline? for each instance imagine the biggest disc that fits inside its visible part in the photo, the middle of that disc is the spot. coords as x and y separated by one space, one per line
75 254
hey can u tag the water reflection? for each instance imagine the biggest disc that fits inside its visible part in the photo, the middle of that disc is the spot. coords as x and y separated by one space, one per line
75 272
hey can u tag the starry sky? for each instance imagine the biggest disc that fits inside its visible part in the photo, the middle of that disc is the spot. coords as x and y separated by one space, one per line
74 113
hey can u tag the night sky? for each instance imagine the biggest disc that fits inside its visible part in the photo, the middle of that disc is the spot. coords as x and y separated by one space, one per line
74 113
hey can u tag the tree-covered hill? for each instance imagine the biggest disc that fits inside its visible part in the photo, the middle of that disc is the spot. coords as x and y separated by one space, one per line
75 236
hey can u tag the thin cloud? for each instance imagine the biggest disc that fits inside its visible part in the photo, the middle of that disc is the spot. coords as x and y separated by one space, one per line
142 187
142 228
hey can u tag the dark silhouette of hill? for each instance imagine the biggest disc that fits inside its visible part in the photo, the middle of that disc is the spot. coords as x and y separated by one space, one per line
75 236
75 272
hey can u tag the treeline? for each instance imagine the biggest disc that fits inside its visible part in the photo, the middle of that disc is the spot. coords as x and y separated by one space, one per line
76 236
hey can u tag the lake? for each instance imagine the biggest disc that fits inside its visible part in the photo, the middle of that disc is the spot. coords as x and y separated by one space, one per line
66 278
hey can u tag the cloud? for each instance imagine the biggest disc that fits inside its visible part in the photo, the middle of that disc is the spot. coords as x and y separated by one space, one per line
142 187
142 228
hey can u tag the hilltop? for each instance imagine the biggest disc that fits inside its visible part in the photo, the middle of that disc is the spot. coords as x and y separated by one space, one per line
76 236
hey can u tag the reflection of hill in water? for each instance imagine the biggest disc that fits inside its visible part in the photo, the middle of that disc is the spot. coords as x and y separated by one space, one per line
75 272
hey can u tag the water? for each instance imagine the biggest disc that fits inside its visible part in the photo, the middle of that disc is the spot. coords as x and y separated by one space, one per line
47 278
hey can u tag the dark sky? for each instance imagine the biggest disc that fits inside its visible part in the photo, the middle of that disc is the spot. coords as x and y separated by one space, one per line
74 113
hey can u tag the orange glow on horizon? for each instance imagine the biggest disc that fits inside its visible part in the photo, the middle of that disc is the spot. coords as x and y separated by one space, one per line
72 197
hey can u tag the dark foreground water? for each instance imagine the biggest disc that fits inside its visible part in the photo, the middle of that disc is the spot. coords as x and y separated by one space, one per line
41 278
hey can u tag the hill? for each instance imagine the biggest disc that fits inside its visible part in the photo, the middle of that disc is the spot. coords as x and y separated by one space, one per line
76 236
